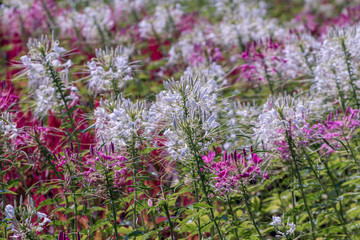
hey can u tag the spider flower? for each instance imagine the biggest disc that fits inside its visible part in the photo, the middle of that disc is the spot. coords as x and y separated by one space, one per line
26 222
284 229
119 121
235 169
111 68
333 130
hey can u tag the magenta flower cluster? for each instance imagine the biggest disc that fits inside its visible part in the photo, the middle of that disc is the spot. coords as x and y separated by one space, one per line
234 169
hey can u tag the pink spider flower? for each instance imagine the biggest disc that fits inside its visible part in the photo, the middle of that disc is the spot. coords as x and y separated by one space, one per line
101 163
234 169
332 130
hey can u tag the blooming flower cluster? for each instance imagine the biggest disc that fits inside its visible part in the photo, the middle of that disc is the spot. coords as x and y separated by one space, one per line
110 69
187 108
44 56
235 169
334 130
25 221
284 229
120 121
101 165
92 23
336 73
138 140
164 19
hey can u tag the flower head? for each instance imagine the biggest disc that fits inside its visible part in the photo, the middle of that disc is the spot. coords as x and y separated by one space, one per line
235 169
110 67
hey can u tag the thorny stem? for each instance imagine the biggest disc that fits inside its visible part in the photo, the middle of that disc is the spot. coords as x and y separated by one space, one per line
246 199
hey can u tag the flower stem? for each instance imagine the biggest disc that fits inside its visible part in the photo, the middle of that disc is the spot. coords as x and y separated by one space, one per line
234 219
133 158
298 175
112 203
3 196
59 89
197 200
350 72
166 208
246 199
293 197
339 214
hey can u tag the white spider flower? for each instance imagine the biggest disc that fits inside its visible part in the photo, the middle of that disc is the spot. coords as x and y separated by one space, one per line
8 126
191 43
10 211
244 21
128 6
119 121
164 18
240 118
284 229
186 107
44 53
336 73
92 23
300 55
111 68
22 221
279 115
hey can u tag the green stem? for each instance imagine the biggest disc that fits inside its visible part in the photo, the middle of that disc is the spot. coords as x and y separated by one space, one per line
267 76
339 214
112 203
350 72
76 214
306 59
75 205
293 155
234 219
58 85
133 157
341 95
116 92
197 200
203 185
351 151
166 208
246 199
48 156
293 197
3 196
